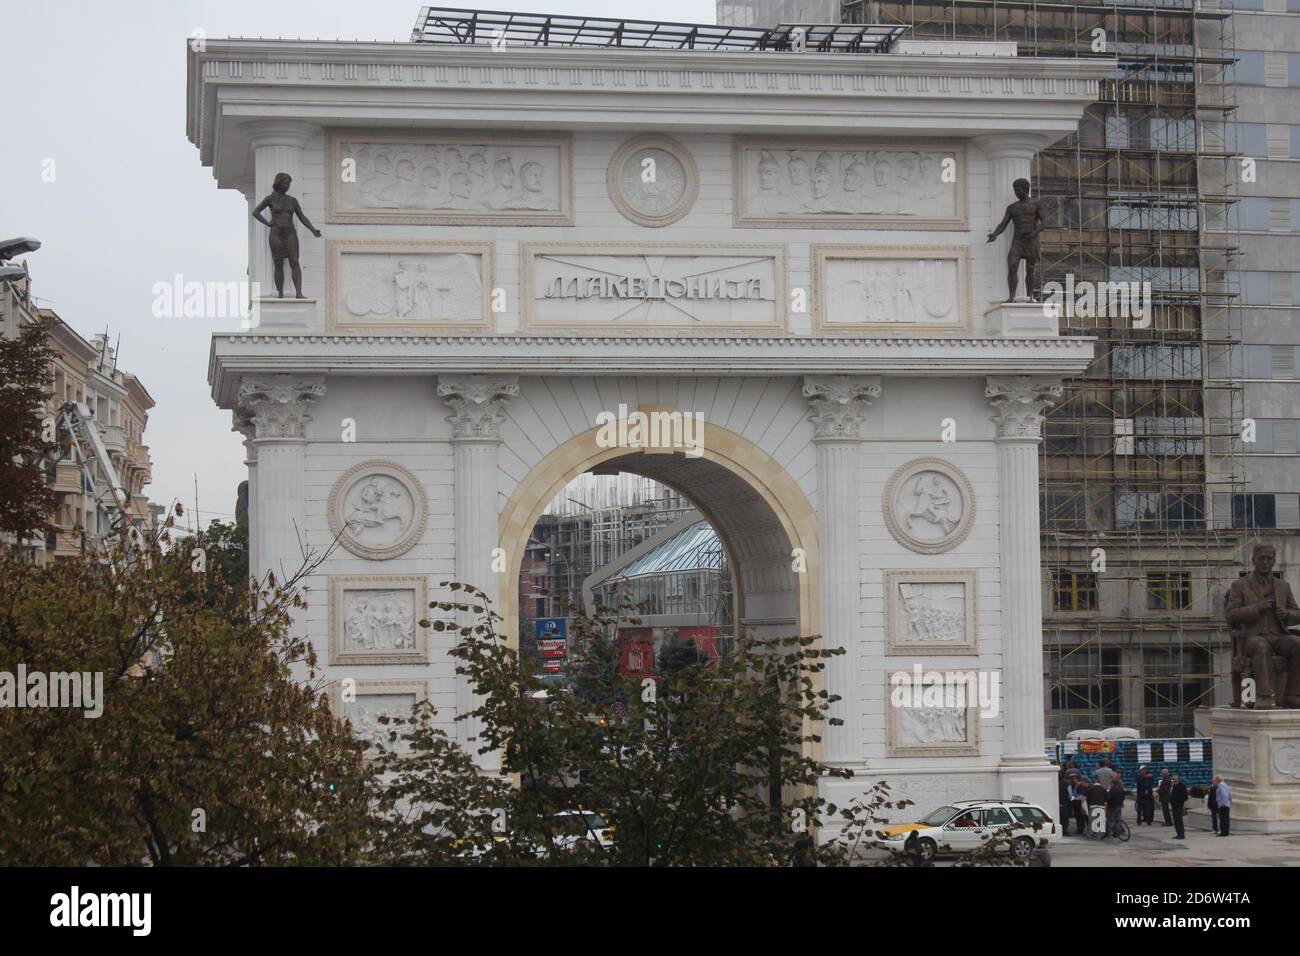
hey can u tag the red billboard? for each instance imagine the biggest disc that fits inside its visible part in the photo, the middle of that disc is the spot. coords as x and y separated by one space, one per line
551 650
636 652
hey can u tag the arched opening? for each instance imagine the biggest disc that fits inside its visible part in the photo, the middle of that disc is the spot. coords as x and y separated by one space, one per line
763 520
616 539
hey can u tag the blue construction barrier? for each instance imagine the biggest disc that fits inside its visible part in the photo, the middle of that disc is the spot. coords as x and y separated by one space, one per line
1190 757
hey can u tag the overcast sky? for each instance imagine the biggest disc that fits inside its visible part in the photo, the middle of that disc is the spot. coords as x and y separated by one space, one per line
99 88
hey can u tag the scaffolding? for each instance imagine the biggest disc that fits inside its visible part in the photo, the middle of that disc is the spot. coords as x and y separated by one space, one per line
1141 472
592 521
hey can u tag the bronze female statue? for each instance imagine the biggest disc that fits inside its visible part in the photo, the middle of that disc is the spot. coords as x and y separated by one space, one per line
284 237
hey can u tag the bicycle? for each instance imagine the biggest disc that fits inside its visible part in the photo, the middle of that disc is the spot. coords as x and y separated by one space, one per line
1121 831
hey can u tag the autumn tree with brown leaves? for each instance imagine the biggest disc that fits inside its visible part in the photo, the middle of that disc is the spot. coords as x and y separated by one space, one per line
215 745
26 501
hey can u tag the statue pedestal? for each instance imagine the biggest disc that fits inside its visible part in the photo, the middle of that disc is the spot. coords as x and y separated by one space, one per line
287 314
1258 753
1021 319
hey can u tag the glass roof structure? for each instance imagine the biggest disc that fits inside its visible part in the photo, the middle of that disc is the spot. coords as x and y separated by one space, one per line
455 25
695 548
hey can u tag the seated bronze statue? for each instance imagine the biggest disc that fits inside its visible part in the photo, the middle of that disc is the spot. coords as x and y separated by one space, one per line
1259 608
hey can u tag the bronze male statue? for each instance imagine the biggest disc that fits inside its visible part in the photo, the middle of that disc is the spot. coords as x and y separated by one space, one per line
1259 609
1029 219
284 237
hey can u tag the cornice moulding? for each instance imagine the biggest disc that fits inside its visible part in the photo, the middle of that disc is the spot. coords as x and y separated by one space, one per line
250 354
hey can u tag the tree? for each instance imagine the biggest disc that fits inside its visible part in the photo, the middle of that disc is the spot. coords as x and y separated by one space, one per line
224 555
675 654
681 765
215 744
26 500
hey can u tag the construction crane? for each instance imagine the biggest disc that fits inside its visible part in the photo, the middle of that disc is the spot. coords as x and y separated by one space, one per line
90 454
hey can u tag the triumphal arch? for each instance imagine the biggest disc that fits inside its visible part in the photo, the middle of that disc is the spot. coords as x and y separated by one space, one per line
525 232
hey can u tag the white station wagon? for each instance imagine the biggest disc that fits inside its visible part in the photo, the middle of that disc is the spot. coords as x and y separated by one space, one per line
966 825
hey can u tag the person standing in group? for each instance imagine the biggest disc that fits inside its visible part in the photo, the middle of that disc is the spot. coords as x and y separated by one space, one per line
1096 798
1163 792
1105 773
1146 799
1178 804
1223 794
1079 797
1114 805
1212 804
1066 809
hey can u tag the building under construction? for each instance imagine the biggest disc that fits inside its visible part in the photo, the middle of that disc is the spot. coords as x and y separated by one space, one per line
592 522
1145 478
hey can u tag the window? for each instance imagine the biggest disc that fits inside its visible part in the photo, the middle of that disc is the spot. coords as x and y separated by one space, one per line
1074 591
1157 361
1163 436
996 817
1169 590
1123 436
1175 683
1254 511
1263 443
1064 510
1030 815
1156 510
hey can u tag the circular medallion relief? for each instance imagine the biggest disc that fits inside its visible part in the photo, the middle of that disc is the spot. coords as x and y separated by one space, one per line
929 505
653 180
377 510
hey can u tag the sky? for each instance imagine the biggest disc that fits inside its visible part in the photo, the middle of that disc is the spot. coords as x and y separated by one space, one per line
94 126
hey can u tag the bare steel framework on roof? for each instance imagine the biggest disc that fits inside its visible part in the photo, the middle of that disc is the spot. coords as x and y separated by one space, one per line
454 25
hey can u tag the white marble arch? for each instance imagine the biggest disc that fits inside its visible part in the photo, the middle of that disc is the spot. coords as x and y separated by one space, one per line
804 425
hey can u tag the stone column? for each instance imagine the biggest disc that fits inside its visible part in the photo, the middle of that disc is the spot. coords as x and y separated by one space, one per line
247 186
244 425
1010 155
1018 405
277 408
477 404
277 148
839 404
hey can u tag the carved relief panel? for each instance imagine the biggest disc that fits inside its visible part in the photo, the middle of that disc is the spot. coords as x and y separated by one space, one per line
373 699
582 287
374 619
930 612
890 290
929 505
377 510
849 184
387 285
917 727
653 180
455 179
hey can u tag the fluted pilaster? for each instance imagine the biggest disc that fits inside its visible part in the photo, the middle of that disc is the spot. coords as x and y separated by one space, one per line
838 406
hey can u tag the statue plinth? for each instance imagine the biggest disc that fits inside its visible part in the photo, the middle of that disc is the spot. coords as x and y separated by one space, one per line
1258 753
1021 319
289 314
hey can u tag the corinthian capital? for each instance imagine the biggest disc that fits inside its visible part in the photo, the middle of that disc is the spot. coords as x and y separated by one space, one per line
839 403
276 406
477 403
1019 402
